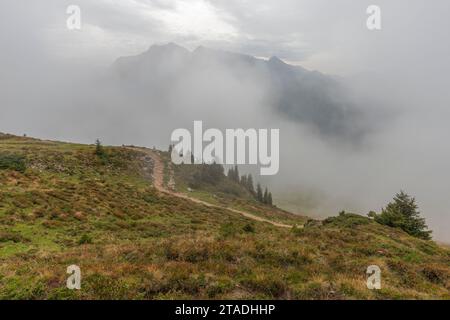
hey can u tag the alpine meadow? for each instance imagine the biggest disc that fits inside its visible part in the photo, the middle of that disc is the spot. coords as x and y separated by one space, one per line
224 158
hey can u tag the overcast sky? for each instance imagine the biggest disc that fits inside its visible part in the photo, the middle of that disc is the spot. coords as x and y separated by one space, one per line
330 36
326 35
407 61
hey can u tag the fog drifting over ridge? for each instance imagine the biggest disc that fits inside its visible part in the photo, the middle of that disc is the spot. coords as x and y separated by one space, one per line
54 84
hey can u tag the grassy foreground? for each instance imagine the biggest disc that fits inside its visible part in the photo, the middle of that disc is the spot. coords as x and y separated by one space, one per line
60 204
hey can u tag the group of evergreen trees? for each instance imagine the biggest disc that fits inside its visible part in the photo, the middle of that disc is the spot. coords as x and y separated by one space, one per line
213 173
208 173
247 182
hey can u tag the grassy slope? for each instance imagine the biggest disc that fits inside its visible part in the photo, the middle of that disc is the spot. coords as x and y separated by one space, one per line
69 207
227 194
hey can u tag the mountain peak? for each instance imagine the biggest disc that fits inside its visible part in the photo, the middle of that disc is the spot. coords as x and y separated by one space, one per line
200 48
275 59
203 50
168 47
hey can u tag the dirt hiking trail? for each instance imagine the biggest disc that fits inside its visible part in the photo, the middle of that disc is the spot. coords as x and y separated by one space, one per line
158 181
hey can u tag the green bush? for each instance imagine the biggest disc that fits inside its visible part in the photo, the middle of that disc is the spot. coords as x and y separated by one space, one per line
403 213
208 173
228 229
249 228
12 162
85 239
436 274
349 220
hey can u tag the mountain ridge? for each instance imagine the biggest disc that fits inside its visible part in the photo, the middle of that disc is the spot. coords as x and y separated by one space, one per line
292 92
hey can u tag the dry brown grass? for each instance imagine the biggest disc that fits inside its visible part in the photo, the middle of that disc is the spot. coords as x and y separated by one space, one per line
149 245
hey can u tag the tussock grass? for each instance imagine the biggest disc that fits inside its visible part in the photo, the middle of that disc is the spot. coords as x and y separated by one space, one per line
131 242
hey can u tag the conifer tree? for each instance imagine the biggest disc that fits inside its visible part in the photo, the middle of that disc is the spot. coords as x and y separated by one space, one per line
244 181
236 174
403 213
266 196
230 174
99 151
259 193
269 199
250 185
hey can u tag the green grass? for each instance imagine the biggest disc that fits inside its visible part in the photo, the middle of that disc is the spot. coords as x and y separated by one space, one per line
131 242
230 195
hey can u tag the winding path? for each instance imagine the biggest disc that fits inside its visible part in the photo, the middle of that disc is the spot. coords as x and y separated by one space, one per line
158 181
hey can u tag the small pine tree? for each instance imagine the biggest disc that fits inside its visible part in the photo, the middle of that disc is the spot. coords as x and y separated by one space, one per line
244 181
250 185
403 213
372 214
259 193
236 174
170 149
266 196
208 173
99 151
269 199
230 174
233 174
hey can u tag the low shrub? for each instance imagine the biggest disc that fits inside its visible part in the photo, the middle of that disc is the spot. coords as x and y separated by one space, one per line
12 162
249 228
85 239
436 274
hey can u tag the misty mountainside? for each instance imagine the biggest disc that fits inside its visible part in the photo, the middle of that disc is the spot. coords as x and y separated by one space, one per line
172 77
139 229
